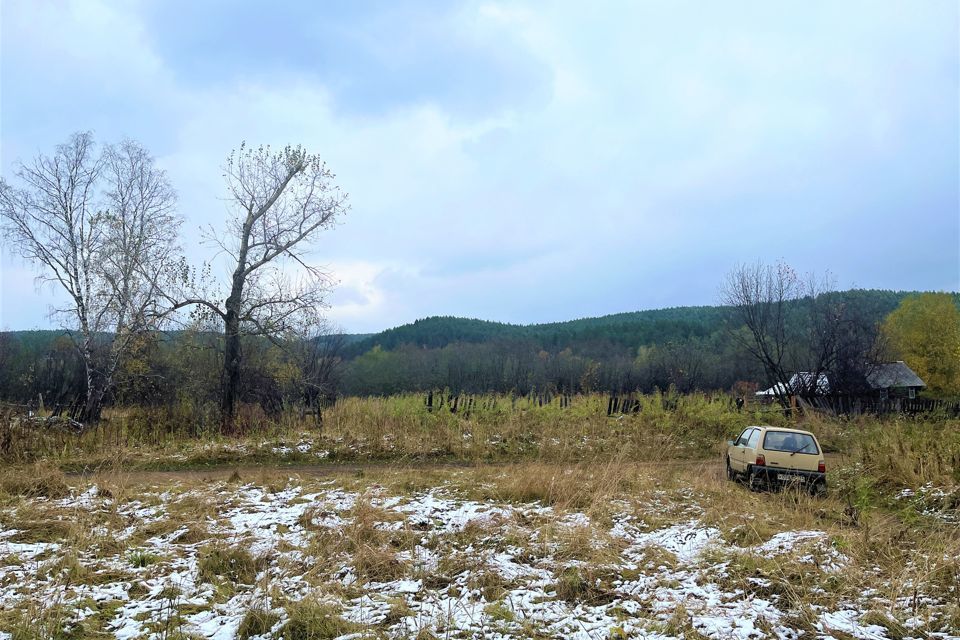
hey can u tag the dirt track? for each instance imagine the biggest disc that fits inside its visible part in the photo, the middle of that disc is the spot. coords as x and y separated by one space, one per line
332 469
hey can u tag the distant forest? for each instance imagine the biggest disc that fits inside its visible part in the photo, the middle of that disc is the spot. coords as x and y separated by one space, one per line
689 348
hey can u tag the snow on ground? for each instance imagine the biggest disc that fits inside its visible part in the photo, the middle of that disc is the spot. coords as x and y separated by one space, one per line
935 502
449 566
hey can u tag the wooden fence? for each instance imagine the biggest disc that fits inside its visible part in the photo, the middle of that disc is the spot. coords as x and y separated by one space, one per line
859 405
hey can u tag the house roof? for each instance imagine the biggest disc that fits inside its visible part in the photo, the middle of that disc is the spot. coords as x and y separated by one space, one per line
802 380
775 390
893 374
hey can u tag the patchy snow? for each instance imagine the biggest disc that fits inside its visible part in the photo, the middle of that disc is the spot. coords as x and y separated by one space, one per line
467 568
788 540
848 621
447 515
686 540
941 503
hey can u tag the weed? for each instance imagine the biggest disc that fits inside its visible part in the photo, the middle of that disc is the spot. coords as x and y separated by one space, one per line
139 558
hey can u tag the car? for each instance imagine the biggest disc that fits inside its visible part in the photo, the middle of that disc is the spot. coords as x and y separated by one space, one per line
775 457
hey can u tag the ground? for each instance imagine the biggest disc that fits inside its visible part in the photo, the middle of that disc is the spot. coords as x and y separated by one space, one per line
494 551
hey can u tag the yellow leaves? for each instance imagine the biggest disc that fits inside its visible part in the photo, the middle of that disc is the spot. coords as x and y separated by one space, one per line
925 332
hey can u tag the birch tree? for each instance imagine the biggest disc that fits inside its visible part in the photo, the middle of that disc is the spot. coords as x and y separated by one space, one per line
101 226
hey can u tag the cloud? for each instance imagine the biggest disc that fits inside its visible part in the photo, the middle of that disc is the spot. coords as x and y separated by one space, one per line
530 162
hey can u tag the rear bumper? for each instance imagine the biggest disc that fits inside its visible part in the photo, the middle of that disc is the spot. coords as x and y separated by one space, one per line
773 475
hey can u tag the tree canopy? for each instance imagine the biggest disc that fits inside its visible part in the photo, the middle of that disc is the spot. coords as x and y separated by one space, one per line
924 331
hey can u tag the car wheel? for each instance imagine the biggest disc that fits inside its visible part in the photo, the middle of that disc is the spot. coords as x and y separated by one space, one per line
731 474
818 489
754 481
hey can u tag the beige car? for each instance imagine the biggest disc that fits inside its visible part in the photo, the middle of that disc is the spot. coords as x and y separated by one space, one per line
773 457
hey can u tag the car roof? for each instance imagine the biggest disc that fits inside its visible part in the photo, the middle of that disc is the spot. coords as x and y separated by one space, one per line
784 429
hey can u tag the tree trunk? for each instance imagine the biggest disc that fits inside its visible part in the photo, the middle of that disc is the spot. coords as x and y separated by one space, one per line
231 370
231 348
93 407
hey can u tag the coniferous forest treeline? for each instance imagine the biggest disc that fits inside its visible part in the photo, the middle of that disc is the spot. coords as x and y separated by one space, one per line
690 348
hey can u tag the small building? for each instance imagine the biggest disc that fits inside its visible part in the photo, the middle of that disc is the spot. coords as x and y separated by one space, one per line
801 383
894 380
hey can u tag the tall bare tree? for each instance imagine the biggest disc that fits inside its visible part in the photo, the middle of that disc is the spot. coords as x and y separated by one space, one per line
793 325
281 201
317 350
102 227
759 295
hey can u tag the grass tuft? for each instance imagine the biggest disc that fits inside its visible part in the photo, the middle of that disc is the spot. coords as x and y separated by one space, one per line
312 620
39 480
257 622
219 561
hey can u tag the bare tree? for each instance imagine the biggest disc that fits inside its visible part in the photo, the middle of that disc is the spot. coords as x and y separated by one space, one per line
102 227
840 341
808 340
317 350
759 296
281 201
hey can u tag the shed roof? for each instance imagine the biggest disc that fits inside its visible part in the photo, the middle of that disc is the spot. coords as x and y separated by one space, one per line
800 381
893 374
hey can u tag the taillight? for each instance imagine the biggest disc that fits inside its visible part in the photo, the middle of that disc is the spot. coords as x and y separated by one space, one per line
761 460
822 467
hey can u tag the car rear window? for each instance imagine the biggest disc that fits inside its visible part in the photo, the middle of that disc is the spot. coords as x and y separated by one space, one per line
792 442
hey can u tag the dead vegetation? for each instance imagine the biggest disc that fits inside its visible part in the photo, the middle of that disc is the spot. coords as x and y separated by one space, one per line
381 549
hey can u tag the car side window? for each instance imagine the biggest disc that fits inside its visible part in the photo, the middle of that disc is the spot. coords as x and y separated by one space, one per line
742 440
754 439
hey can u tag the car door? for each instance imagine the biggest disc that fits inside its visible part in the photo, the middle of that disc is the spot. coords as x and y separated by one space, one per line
737 459
750 448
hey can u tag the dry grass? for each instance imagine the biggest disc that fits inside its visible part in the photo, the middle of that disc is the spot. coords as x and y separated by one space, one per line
401 427
233 563
889 546
41 479
256 622
310 619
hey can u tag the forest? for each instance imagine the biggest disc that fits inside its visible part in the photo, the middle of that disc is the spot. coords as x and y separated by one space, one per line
687 348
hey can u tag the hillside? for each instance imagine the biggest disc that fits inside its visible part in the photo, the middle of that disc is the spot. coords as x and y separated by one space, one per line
632 329
686 347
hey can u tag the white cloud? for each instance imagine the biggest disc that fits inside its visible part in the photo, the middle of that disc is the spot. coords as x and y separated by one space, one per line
668 137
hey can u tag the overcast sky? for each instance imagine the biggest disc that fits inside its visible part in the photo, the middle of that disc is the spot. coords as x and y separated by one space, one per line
527 162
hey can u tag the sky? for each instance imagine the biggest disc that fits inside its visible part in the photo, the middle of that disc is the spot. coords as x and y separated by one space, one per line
525 162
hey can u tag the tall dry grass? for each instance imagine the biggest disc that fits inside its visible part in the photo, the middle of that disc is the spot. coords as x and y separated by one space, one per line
496 428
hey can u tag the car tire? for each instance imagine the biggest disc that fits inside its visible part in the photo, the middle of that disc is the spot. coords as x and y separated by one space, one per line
731 474
818 489
754 481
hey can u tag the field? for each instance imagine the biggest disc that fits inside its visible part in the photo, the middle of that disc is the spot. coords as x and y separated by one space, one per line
513 522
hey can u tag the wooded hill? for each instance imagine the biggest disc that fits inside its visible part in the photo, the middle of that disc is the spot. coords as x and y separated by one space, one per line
631 329
688 347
